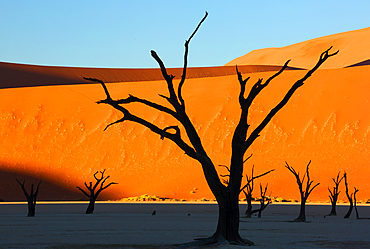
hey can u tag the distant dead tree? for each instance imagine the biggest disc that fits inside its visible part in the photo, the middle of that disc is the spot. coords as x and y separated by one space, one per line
355 205
93 191
334 194
227 196
248 191
31 197
305 192
264 200
349 197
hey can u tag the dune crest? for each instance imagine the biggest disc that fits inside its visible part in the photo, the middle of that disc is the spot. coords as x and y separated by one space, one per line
353 46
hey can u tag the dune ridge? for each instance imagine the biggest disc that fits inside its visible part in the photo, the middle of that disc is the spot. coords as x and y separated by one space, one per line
22 75
353 47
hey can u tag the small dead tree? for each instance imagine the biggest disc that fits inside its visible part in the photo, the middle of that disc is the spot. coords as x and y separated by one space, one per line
355 203
334 194
264 200
248 190
305 192
31 197
349 197
227 196
93 191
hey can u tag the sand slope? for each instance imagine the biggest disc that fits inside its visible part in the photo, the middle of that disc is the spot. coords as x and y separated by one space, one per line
353 46
52 130
55 133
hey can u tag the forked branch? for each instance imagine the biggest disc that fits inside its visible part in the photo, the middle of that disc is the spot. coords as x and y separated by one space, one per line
100 180
95 190
259 86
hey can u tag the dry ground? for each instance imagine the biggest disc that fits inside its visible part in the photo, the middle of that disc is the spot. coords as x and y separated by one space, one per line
132 225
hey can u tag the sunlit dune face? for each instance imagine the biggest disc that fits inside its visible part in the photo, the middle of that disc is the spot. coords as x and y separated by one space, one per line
353 47
56 133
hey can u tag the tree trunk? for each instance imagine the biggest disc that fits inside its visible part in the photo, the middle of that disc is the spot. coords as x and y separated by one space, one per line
333 211
260 213
302 213
31 209
228 206
90 208
248 212
348 214
228 222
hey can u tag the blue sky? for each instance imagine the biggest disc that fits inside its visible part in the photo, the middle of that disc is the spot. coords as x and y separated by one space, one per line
120 34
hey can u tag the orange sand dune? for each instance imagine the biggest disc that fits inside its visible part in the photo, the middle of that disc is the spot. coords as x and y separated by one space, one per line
55 133
353 46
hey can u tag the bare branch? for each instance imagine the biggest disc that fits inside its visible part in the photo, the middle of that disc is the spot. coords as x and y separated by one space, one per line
323 57
243 83
310 190
252 178
83 191
37 189
173 98
23 188
247 158
130 117
228 169
132 99
109 185
176 128
186 61
102 83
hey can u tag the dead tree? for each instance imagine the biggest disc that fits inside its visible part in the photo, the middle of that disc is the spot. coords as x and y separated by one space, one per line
31 197
334 195
264 200
304 192
349 196
93 191
355 203
248 189
227 196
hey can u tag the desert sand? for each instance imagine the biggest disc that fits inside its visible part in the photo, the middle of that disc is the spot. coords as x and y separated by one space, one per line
52 130
131 225
353 46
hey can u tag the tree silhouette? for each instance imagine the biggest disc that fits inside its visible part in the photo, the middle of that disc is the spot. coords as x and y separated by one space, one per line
334 194
262 200
304 192
248 189
93 191
31 197
227 196
355 203
349 196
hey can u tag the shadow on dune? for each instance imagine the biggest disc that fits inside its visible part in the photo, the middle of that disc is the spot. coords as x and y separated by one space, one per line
49 190
362 63
21 75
